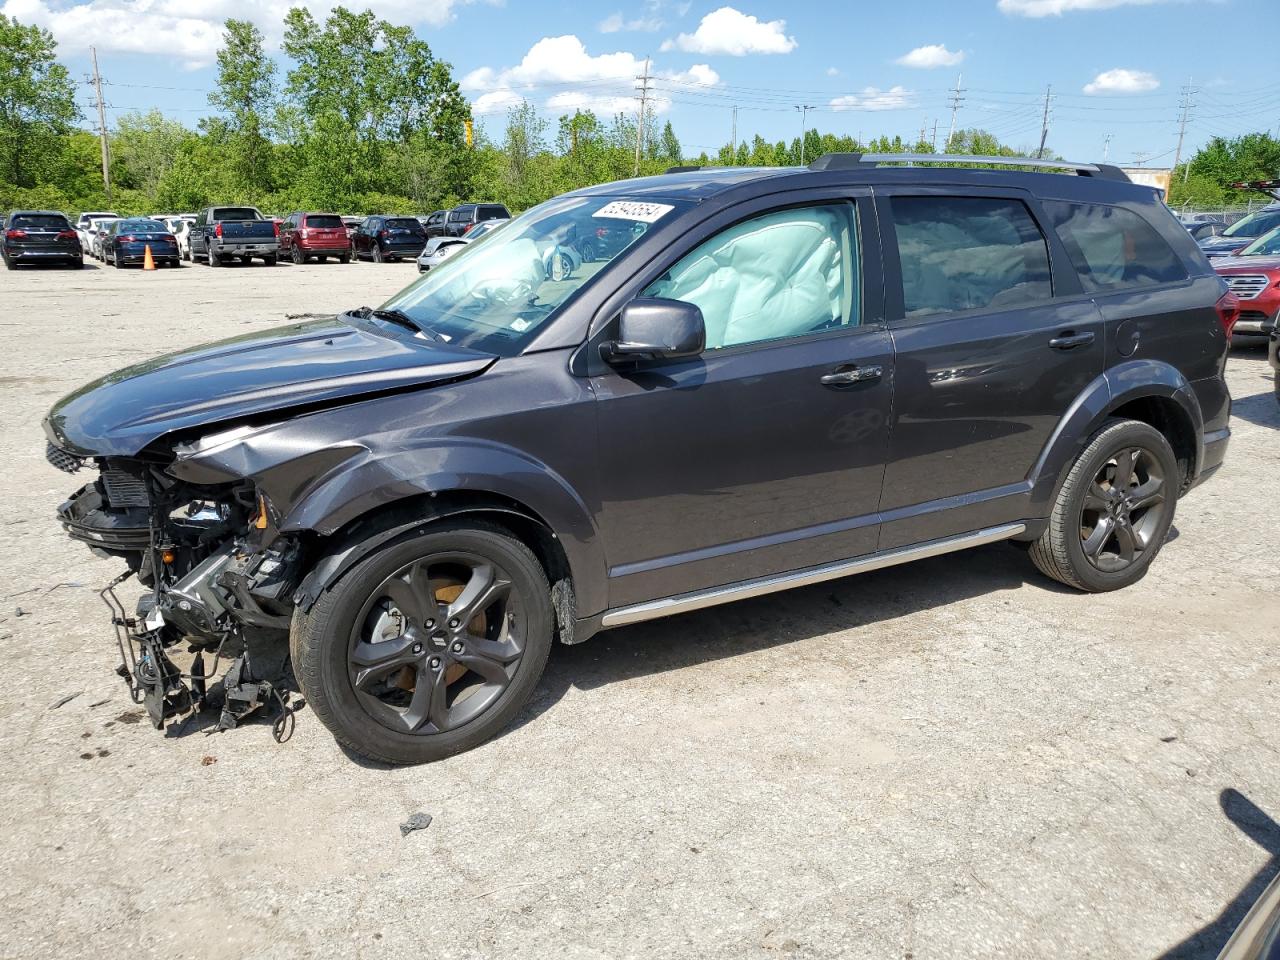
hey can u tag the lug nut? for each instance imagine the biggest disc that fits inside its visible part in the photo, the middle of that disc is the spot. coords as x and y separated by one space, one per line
435 663
429 623
457 648
417 648
453 624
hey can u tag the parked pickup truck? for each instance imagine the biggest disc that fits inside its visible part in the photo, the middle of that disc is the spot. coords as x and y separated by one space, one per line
224 233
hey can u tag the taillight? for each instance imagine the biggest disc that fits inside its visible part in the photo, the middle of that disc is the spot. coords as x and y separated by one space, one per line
305 233
15 234
217 229
1228 307
384 233
127 238
166 236
276 227
66 234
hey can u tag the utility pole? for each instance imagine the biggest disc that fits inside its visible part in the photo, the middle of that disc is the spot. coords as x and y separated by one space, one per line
733 141
1186 104
957 98
644 101
934 141
1044 123
102 124
804 109
1106 147
924 123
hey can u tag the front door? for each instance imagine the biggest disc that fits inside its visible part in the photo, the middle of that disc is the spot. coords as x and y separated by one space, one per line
766 453
994 340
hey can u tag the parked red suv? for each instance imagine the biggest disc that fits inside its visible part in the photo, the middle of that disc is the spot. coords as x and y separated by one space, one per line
319 235
1253 275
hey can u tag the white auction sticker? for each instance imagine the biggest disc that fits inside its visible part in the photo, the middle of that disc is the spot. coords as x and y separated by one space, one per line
634 210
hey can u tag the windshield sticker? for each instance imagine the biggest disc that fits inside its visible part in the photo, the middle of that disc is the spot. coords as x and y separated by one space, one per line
634 210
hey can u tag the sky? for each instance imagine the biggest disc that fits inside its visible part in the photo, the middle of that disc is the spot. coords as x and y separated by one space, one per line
1116 69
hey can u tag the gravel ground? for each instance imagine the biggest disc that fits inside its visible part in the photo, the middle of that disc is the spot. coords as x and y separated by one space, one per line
951 759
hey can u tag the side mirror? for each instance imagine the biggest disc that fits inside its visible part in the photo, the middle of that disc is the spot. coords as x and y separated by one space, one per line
651 328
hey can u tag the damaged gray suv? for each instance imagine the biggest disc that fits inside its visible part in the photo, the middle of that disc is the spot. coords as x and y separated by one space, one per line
765 378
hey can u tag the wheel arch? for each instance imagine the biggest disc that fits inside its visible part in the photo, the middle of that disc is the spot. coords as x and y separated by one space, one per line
1150 391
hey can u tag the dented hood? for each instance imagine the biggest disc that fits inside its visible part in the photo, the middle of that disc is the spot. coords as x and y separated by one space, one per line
301 365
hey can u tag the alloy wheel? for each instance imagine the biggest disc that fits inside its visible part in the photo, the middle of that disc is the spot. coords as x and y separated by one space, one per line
1123 509
436 643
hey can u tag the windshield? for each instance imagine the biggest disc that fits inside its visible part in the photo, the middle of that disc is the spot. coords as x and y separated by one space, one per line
1266 245
142 226
235 213
1254 225
495 293
41 221
404 223
323 221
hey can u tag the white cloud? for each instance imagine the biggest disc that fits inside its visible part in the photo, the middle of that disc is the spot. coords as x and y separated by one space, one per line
1121 80
930 56
1056 8
873 98
189 33
617 23
833 71
604 83
729 31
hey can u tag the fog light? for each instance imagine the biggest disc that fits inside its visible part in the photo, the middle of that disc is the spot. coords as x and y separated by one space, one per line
168 556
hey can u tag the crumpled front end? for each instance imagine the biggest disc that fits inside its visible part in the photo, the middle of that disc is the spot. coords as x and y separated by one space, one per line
212 628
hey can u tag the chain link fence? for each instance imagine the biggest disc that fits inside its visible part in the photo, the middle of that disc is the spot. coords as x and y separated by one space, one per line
1227 215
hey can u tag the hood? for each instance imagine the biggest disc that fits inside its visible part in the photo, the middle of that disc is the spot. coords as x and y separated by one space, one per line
1221 244
1246 264
300 365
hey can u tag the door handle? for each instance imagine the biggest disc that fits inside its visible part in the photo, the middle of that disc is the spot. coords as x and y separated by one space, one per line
1069 340
843 378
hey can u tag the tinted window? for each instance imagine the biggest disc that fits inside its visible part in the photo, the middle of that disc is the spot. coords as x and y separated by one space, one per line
1113 247
458 216
40 221
784 274
235 213
966 253
324 221
404 223
141 226
491 211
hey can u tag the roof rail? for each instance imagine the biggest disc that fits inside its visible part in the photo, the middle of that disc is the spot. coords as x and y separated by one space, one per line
851 161
691 167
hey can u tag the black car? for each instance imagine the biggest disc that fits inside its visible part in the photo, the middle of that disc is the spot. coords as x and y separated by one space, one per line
1203 229
462 218
434 223
127 241
40 236
787 376
386 238
1242 232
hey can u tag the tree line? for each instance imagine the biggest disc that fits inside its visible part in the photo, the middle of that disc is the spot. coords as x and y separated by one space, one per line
366 118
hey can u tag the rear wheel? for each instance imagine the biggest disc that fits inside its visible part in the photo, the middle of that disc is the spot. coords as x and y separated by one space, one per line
214 259
1114 510
298 257
345 258
377 254
429 646
116 261
269 260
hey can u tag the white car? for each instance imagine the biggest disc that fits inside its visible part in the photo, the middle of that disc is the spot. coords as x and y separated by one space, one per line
82 227
439 249
180 227
94 232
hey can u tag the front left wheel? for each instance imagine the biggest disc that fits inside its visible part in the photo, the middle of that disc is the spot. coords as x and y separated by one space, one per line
429 646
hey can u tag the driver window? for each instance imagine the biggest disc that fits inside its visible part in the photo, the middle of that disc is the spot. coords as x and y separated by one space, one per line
784 274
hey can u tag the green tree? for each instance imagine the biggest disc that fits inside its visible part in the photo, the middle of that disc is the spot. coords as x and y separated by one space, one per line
143 149
669 150
246 95
37 103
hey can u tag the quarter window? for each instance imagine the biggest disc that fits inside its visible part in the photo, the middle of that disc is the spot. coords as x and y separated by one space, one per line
1113 247
784 274
968 253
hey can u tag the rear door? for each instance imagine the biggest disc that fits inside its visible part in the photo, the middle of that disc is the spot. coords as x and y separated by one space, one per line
766 453
42 230
993 341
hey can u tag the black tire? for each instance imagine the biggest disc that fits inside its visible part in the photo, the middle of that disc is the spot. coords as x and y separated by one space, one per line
214 259
116 261
344 259
377 254
1076 526
298 256
8 264
322 642
269 260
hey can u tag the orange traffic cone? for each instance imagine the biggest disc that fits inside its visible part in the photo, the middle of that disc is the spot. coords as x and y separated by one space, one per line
148 262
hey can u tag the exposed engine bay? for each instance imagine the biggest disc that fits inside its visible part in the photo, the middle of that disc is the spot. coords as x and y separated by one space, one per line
219 581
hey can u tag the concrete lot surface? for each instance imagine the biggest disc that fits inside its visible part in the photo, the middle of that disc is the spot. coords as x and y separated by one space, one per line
952 759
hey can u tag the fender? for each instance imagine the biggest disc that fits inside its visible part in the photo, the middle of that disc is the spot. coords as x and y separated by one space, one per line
441 465
1132 380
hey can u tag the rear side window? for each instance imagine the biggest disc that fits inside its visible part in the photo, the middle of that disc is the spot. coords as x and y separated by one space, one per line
41 221
460 216
324 221
491 211
404 223
967 253
1113 247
